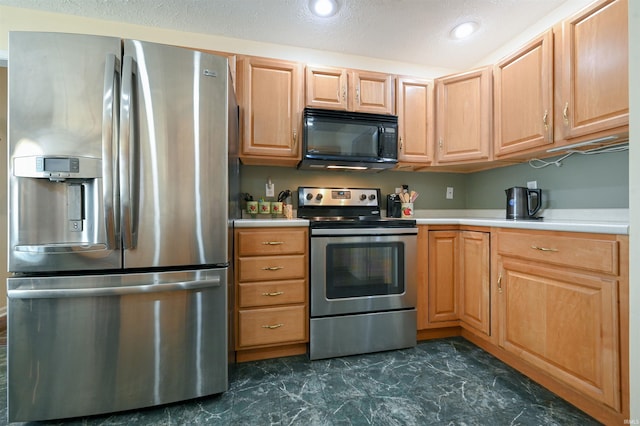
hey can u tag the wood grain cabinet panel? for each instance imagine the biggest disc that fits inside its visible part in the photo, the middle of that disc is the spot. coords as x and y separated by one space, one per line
564 323
414 106
559 307
271 292
595 71
264 242
272 326
270 99
523 87
349 90
463 117
475 289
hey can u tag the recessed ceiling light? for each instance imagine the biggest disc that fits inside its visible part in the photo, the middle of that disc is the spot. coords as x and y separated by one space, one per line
464 30
323 8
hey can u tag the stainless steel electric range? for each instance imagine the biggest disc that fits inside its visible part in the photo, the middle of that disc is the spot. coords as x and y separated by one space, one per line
362 273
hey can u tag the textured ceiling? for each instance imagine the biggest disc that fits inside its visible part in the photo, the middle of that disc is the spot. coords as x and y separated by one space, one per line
414 31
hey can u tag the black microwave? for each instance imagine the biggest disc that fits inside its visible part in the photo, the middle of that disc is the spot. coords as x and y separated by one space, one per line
348 140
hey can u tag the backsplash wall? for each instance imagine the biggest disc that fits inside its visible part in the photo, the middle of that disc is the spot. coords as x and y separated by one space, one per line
430 186
582 181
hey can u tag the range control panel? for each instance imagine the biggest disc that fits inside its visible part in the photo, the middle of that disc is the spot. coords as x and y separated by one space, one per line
347 197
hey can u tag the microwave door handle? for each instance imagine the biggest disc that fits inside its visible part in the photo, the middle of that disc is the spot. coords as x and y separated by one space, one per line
109 117
380 136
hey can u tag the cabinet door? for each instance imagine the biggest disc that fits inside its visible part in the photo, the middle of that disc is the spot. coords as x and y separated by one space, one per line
475 286
595 70
564 323
414 105
523 111
269 94
463 116
326 87
443 276
371 92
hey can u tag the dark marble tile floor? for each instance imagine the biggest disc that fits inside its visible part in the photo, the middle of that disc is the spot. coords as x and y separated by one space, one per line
439 382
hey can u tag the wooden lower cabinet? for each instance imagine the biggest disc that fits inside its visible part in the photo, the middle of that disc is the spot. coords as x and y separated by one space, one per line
553 305
457 280
271 292
563 313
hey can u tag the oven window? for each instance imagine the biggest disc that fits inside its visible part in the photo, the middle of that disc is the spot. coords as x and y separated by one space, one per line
364 269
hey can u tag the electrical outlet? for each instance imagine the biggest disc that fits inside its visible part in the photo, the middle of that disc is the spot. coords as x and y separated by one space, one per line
449 193
532 184
270 189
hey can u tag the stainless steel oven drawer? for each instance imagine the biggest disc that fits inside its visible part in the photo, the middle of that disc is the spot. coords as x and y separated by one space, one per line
358 334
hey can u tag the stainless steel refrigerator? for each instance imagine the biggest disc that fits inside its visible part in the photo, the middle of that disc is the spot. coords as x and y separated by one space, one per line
122 162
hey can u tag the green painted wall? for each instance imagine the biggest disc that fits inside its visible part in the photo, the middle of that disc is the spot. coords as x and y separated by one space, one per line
583 181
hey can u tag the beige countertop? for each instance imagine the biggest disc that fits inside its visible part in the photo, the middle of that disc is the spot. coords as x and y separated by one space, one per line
602 221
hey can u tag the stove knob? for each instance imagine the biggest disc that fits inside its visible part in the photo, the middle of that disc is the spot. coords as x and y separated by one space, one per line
309 196
372 197
363 197
319 197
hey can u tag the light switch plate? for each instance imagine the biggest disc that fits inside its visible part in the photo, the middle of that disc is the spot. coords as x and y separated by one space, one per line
449 193
532 184
270 190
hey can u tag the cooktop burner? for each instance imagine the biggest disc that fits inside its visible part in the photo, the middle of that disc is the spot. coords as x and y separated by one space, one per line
345 207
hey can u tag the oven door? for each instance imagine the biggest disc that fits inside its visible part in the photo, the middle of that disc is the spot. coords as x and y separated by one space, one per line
362 270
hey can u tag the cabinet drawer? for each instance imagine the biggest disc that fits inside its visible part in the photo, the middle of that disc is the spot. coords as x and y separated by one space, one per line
578 252
252 242
272 325
267 268
271 293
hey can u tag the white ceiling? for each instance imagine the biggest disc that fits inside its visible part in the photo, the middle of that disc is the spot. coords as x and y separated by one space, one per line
411 31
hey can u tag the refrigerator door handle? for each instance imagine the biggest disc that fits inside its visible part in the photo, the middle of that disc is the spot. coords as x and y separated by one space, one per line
126 104
59 293
108 121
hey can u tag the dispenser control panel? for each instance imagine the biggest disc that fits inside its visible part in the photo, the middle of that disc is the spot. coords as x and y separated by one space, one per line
57 168
58 164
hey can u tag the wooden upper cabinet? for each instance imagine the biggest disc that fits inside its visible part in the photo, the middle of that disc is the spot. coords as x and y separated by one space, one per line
326 87
463 117
270 99
372 92
523 96
349 90
414 106
595 71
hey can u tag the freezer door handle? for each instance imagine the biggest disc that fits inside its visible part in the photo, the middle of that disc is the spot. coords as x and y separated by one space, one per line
126 105
108 121
59 248
60 293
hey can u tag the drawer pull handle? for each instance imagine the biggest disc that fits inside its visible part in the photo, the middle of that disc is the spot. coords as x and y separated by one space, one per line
271 327
272 243
274 293
543 248
500 283
272 268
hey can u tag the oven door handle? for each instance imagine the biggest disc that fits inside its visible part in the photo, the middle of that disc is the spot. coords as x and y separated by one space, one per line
363 231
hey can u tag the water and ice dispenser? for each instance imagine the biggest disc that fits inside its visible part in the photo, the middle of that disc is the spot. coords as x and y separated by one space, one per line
58 216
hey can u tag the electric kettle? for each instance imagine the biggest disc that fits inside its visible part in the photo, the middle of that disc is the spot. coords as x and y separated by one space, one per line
520 202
